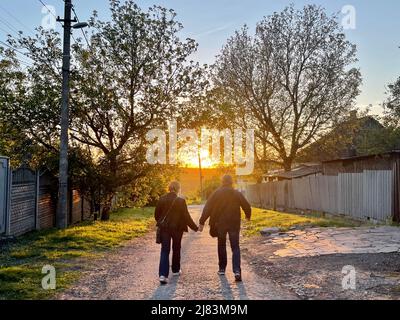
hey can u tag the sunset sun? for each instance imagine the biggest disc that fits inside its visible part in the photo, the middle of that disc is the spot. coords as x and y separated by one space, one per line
191 160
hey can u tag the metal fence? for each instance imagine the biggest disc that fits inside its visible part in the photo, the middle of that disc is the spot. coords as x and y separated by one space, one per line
24 195
28 201
366 195
3 193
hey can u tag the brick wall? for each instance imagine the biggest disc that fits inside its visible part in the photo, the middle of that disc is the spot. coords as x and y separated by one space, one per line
47 209
76 207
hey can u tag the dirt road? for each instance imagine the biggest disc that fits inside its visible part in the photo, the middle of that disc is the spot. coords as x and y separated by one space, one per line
131 273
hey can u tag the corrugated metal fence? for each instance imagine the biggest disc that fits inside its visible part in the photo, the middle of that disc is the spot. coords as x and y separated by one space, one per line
3 193
366 195
32 201
23 201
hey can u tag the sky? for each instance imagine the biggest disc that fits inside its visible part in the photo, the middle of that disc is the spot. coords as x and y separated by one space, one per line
212 22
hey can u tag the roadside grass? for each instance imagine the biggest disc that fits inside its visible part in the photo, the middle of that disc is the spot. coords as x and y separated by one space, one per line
262 218
194 200
21 261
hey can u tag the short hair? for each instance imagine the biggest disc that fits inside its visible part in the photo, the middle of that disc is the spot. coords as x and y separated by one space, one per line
227 180
174 186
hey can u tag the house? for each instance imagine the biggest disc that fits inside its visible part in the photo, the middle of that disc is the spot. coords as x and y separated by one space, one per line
358 164
381 177
354 137
362 187
300 171
242 182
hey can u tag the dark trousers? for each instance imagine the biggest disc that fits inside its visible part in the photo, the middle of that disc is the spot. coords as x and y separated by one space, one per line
166 237
222 255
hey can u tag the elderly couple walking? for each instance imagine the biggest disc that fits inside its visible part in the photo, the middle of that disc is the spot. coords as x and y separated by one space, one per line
223 209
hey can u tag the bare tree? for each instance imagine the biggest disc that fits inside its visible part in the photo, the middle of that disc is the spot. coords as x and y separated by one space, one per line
292 79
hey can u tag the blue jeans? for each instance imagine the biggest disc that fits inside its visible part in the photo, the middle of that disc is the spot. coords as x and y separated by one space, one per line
166 237
222 255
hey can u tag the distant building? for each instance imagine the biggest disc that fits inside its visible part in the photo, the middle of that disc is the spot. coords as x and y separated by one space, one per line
353 137
384 161
300 171
362 187
376 163
242 182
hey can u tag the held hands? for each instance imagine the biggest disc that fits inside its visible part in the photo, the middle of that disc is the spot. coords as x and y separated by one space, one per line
201 227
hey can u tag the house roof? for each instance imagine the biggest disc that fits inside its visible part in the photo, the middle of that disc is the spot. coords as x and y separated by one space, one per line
347 139
394 152
301 171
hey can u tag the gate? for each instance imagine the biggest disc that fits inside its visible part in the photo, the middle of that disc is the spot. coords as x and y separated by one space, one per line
4 170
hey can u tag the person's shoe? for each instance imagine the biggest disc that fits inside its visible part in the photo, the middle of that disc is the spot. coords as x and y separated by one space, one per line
221 272
177 273
238 277
163 280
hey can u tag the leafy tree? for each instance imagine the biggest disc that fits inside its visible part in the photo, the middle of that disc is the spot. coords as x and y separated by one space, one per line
210 185
13 142
392 103
292 80
357 135
131 77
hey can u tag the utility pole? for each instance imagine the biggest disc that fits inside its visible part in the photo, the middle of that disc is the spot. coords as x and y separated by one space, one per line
200 176
62 210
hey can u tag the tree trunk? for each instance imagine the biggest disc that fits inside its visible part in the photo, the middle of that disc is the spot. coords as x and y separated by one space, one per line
287 165
110 191
105 213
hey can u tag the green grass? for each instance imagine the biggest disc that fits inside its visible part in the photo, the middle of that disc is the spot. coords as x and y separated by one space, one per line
194 200
262 218
67 250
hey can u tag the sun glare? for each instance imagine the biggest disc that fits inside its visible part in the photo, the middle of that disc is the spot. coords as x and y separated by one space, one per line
191 160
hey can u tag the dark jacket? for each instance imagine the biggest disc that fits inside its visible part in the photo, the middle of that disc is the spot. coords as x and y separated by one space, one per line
223 209
178 218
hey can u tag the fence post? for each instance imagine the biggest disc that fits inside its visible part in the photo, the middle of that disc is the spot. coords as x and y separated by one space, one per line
8 206
37 195
286 195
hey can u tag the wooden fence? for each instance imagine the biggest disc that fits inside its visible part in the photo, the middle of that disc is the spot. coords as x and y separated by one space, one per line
366 195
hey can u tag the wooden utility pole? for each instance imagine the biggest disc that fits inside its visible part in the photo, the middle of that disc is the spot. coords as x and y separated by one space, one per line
200 176
62 211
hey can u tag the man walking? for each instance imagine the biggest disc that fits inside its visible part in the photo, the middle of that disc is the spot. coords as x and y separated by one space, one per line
223 209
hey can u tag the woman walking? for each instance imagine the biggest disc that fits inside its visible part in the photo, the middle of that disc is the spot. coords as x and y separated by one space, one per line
173 219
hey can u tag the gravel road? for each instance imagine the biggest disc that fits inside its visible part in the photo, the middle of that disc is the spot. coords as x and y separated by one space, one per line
131 273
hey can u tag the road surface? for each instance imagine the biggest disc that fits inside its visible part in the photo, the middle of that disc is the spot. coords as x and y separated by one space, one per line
132 273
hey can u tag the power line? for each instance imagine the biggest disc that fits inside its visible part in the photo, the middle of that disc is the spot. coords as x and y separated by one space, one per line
14 49
44 5
25 63
16 19
83 32
51 12
9 26
5 31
